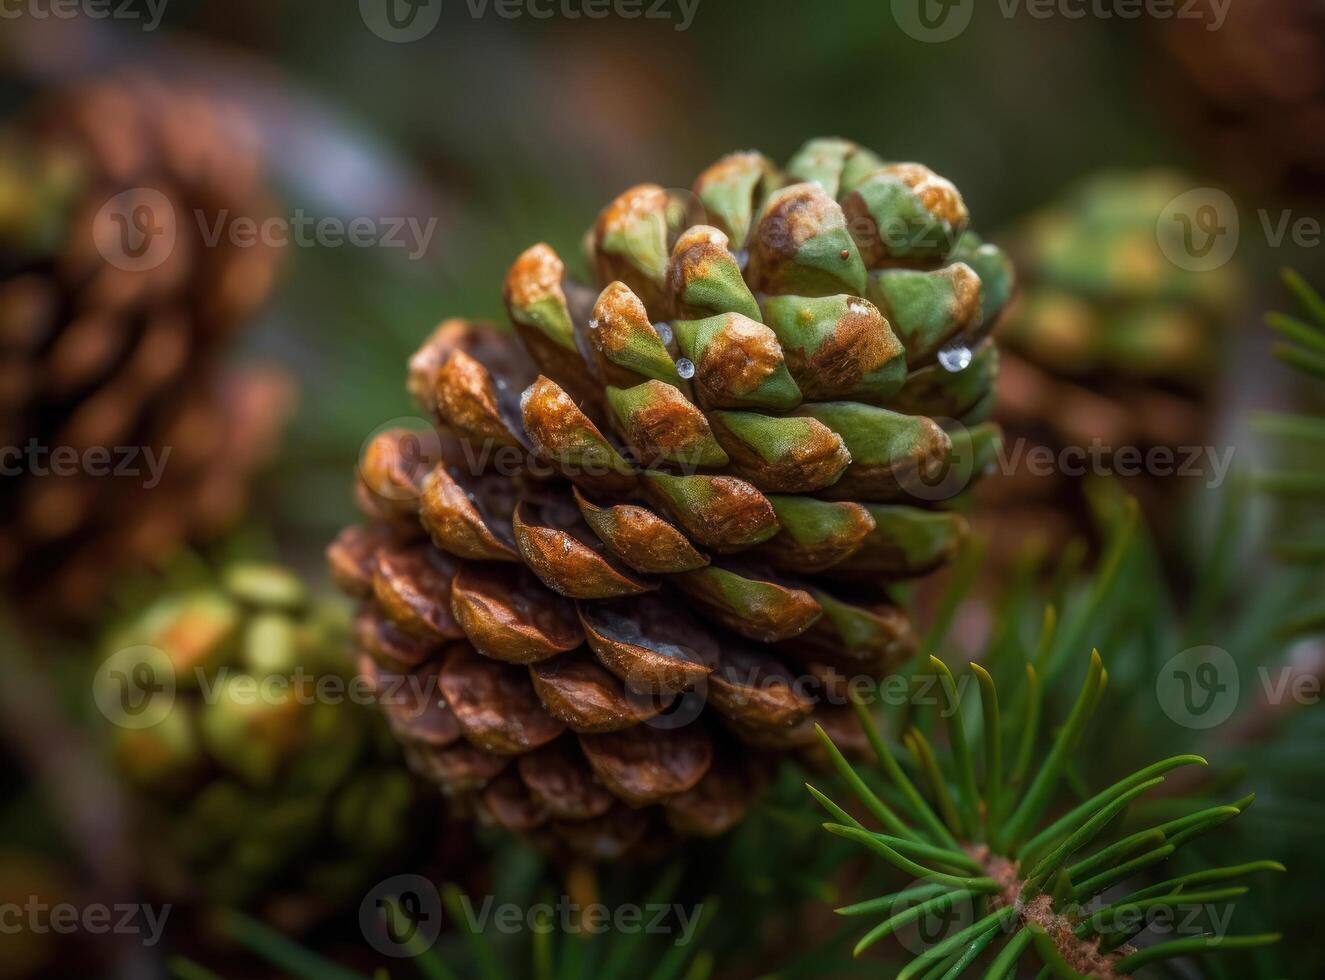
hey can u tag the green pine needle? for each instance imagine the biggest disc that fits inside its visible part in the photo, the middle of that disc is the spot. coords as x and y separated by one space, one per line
1309 298
1196 944
1004 868
1294 480
264 941
969 812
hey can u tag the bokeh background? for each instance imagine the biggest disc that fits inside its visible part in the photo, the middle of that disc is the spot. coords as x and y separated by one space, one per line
508 131
494 132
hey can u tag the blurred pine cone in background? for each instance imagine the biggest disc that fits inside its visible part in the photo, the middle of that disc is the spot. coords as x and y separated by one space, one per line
1251 94
1109 346
123 435
650 540
259 775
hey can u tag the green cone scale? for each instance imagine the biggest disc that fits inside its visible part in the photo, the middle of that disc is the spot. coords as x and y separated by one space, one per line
673 492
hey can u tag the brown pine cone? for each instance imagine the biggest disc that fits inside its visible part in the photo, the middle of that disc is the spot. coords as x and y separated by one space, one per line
650 539
123 435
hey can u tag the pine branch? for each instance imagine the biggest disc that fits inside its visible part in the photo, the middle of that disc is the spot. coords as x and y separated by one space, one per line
1035 892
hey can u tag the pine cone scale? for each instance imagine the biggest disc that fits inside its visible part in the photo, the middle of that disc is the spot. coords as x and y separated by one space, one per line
706 449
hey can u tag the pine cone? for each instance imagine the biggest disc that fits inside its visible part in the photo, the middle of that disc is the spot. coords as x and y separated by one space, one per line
1109 344
639 532
259 775
114 365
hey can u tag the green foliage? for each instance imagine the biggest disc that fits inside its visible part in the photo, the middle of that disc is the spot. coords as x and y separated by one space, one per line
1297 480
1212 590
554 947
972 835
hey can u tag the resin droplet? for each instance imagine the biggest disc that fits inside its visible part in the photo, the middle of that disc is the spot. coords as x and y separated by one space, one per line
955 357
685 367
664 331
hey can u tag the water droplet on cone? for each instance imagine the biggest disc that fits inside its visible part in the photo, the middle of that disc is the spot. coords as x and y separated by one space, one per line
955 357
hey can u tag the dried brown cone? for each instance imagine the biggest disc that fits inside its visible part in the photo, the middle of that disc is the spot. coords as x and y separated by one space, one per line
1112 353
110 336
649 537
